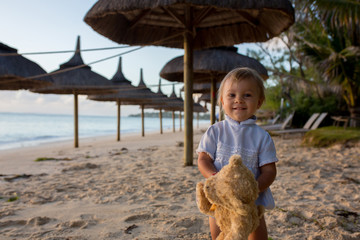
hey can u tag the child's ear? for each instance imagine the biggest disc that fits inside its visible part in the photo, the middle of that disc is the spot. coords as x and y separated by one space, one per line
260 103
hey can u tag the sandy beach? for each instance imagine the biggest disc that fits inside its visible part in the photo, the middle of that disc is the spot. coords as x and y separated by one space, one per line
139 189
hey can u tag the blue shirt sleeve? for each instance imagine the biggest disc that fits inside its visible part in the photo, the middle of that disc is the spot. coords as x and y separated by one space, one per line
267 152
207 143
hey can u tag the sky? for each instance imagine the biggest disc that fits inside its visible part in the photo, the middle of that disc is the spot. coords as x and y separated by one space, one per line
32 26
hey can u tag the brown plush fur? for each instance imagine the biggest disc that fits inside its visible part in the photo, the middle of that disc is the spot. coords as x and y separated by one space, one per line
233 190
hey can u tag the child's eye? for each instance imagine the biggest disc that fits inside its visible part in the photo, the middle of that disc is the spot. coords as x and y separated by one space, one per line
231 95
247 95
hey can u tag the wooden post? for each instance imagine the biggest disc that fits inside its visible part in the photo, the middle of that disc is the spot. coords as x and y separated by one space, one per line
142 121
160 116
198 119
173 118
212 100
76 121
188 86
118 119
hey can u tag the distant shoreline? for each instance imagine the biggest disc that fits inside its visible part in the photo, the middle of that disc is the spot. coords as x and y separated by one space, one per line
165 114
168 114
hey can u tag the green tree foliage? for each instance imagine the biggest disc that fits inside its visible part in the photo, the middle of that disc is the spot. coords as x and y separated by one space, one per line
330 39
318 58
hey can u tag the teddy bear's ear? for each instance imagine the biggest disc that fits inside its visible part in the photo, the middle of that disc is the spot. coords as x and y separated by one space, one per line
235 160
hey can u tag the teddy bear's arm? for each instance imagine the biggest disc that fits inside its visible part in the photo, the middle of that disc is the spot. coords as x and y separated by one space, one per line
203 203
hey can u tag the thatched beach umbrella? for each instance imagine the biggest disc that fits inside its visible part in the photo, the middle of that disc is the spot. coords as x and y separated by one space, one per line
74 77
157 99
189 24
205 97
212 63
211 66
18 72
172 104
175 103
127 94
203 87
161 105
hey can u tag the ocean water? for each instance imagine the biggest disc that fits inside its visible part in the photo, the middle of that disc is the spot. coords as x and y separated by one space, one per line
28 129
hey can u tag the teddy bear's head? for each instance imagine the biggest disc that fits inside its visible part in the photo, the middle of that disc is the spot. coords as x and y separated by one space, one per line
233 187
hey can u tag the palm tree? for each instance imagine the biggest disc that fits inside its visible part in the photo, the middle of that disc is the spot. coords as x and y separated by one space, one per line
331 41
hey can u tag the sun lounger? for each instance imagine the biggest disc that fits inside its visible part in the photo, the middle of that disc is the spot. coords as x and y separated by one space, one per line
279 126
313 123
271 121
274 120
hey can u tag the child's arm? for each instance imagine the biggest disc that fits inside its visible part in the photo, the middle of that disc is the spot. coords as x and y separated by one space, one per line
206 165
267 176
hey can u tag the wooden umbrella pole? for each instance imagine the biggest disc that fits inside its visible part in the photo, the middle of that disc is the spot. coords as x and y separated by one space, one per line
198 119
118 119
173 118
76 122
188 86
160 116
213 104
180 128
142 121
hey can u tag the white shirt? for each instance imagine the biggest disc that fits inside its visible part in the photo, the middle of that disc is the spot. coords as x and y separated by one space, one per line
251 142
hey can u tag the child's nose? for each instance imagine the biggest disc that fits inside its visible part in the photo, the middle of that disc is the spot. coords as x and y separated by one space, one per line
239 99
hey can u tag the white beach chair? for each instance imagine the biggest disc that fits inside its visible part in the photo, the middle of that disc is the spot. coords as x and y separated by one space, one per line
311 124
280 126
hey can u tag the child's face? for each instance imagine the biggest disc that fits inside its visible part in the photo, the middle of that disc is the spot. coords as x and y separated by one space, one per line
240 99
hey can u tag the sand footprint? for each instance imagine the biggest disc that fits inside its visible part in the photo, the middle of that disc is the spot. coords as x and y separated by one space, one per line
39 221
187 224
12 223
139 217
85 221
79 167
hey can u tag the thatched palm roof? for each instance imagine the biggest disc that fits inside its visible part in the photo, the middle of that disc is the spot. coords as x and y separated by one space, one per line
17 72
216 23
199 108
155 98
173 103
119 78
203 87
211 63
205 97
76 77
127 94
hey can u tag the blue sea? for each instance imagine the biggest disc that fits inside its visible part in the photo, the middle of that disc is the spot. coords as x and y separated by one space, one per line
30 129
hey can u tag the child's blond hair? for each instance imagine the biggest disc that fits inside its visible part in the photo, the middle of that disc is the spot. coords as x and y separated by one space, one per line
239 74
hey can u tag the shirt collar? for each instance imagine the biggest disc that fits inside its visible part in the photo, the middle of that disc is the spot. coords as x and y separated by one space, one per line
249 121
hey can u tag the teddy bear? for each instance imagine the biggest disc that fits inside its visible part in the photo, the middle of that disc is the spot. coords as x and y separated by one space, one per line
230 196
